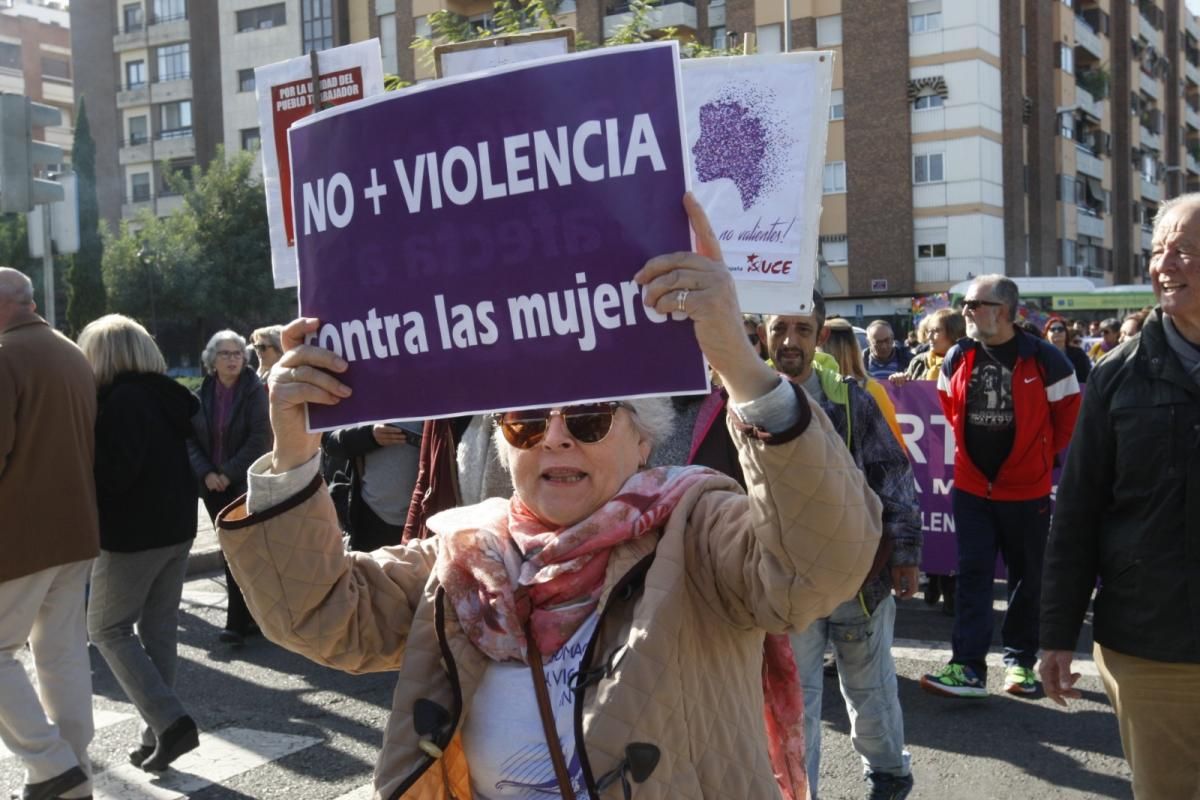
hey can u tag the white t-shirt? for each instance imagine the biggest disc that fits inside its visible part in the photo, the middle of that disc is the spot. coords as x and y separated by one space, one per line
503 737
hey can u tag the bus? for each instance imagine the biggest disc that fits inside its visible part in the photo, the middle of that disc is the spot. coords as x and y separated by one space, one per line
1077 298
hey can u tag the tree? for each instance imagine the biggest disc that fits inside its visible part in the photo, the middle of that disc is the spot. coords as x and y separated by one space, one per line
85 279
203 268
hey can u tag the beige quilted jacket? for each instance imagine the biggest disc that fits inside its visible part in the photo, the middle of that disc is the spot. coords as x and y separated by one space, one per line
676 660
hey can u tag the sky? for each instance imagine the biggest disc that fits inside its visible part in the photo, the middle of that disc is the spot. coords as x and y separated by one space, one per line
1194 6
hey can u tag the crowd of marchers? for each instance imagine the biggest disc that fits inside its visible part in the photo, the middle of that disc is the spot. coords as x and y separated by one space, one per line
694 567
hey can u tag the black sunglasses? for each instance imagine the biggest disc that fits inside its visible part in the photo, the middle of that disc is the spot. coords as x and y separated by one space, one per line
588 423
1057 329
975 304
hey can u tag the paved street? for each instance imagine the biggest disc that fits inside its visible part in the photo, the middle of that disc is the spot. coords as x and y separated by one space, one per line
278 726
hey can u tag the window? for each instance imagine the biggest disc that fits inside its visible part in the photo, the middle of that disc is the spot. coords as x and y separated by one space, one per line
138 130
56 68
251 139
719 40
139 187
131 15
387 41
422 27
135 74
1066 125
173 62
253 19
316 17
928 168
1066 57
837 104
175 119
829 31
1068 253
245 80
168 10
835 252
928 101
925 23
180 168
930 242
769 38
835 177
10 56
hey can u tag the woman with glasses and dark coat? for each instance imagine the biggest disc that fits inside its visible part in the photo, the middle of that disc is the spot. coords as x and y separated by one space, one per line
231 429
1055 331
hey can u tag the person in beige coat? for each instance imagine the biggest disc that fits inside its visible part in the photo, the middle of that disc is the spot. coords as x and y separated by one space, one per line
600 634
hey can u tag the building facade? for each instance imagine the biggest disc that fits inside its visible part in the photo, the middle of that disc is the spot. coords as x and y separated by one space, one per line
35 60
1029 137
169 81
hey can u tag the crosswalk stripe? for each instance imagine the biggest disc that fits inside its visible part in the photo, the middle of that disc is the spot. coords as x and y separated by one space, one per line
937 652
101 718
361 793
222 755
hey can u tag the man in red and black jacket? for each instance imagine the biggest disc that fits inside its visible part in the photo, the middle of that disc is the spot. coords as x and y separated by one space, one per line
1011 399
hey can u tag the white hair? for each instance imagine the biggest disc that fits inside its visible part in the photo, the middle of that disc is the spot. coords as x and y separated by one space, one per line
209 357
654 418
1191 198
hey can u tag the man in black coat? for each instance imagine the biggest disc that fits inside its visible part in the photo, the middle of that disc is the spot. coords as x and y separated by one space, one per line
1129 514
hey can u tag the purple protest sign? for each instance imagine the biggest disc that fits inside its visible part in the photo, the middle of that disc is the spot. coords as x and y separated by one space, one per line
469 245
929 440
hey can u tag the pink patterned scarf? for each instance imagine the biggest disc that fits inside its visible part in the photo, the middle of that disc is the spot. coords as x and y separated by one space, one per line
504 567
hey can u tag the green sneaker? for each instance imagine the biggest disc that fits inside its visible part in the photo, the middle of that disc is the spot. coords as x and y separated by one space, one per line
1020 680
954 680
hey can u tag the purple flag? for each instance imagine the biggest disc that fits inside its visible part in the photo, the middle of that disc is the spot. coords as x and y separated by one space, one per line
469 245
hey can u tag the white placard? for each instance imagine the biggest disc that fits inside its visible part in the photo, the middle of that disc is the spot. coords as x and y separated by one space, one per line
756 128
284 94
461 62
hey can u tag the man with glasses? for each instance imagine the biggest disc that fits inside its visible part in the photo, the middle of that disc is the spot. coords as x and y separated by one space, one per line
882 356
1011 399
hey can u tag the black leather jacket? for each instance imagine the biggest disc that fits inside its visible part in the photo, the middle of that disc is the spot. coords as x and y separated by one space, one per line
1128 509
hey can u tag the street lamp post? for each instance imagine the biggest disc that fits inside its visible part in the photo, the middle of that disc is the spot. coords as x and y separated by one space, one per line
787 26
147 257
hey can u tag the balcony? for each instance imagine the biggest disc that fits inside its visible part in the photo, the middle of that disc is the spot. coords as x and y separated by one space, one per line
1151 139
1087 38
1150 190
1191 72
1191 116
1089 104
175 144
136 95
668 15
135 152
170 91
1088 164
1149 85
1147 238
168 31
1149 32
169 204
1193 165
1088 224
716 15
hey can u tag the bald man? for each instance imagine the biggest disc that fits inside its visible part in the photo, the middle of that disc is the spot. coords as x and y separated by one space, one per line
49 537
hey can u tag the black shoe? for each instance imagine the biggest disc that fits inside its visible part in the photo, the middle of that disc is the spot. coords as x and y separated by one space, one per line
232 637
52 788
136 757
181 737
885 786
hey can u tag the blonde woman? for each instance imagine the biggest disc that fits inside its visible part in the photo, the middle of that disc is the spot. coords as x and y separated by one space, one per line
842 344
147 501
268 347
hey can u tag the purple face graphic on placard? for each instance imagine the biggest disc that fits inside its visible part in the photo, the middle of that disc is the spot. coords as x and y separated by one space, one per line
740 139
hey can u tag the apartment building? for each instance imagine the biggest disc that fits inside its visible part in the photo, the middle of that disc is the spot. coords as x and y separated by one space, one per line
35 60
966 136
168 81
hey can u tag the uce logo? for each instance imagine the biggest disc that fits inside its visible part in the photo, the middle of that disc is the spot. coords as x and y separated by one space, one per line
756 264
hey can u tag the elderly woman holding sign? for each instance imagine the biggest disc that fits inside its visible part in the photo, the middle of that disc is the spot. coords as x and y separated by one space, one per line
599 634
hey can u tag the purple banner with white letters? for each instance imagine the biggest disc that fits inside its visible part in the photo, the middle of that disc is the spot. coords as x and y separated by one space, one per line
469 245
930 443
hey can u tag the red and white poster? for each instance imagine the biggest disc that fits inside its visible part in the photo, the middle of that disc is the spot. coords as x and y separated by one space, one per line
284 93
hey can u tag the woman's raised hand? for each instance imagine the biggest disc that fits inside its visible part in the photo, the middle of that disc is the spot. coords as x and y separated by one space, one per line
302 375
699 285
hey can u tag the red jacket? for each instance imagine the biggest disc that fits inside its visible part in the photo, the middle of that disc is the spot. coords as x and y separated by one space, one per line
1045 404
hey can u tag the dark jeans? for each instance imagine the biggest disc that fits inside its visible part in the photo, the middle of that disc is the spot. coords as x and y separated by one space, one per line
237 615
1017 530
